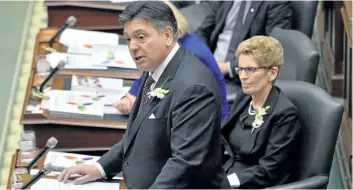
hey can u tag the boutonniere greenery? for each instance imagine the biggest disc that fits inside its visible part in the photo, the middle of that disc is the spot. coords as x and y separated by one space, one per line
159 92
259 120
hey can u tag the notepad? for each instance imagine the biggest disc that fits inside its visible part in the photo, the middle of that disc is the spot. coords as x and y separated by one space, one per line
54 184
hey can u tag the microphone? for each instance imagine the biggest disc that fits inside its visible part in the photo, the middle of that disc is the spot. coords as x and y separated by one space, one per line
43 172
51 143
59 66
70 22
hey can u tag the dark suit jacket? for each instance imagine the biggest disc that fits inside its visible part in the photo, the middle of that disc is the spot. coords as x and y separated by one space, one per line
181 147
266 155
265 16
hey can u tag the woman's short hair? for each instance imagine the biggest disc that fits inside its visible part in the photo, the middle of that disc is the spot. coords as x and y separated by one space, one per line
266 50
183 26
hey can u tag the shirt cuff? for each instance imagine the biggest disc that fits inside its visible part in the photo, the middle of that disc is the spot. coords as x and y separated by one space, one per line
100 168
230 71
233 180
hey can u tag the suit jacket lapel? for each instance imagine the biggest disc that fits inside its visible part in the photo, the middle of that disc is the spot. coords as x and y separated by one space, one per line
167 75
255 5
250 141
136 107
241 101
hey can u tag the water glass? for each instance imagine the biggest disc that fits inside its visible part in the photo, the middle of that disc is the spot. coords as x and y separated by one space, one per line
27 146
17 177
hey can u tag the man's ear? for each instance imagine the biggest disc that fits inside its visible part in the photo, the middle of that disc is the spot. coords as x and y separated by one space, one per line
168 34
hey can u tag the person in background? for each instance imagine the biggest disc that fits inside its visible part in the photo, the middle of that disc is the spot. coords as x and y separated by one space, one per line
231 22
261 130
197 47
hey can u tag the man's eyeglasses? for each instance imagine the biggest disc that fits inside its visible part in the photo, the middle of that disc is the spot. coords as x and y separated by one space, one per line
248 70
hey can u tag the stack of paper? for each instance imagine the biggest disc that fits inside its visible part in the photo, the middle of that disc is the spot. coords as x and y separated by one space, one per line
54 184
74 104
73 36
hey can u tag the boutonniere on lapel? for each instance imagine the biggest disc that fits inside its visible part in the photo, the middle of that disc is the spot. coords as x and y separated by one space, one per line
159 92
259 120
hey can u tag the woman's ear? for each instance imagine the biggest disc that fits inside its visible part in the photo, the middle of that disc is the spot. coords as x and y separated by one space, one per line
273 74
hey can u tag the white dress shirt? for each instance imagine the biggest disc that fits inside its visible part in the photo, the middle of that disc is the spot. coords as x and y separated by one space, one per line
155 75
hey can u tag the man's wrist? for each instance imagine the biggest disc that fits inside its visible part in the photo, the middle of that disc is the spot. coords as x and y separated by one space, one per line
100 168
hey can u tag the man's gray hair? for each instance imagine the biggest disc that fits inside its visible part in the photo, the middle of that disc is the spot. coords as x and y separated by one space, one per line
158 12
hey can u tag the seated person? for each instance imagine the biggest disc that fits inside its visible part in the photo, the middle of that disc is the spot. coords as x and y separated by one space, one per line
231 22
261 129
196 46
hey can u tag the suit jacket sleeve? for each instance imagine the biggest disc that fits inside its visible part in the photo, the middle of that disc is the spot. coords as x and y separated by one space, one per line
278 151
207 26
111 161
279 15
195 121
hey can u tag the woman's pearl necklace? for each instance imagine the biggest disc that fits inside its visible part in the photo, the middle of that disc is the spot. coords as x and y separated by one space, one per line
250 111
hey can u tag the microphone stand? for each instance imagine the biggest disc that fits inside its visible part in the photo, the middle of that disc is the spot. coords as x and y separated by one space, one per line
37 93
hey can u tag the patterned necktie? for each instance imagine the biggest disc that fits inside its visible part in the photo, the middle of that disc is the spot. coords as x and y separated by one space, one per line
146 90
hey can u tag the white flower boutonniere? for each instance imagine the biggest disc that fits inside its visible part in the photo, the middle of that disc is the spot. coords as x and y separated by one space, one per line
259 118
159 92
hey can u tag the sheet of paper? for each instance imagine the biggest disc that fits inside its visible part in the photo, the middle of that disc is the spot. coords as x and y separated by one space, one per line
55 58
61 159
113 56
54 184
82 62
74 36
35 171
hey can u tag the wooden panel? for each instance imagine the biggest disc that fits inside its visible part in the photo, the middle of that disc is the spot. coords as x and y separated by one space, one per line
91 15
348 6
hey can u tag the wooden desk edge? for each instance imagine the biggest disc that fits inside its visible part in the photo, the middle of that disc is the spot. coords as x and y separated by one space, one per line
27 177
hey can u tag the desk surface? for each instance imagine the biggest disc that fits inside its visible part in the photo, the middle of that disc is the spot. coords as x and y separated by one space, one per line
26 178
72 134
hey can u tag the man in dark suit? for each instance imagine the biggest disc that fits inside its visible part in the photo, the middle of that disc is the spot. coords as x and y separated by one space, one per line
231 22
173 136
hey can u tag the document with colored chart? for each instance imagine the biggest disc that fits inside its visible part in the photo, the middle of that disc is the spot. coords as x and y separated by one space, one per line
65 160
113 56
75 104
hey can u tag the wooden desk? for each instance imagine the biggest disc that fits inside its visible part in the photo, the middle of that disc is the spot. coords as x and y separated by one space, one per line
26 178
91 15
72 134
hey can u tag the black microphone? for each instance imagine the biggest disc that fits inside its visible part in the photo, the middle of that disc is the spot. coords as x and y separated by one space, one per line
51 143
70 22
43 172
59 66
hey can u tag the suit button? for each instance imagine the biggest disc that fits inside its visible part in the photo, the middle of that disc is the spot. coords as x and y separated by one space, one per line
125 163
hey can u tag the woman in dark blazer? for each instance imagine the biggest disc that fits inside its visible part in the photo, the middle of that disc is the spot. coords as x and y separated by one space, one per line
259 135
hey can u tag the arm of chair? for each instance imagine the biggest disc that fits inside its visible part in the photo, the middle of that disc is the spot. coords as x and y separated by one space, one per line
315 182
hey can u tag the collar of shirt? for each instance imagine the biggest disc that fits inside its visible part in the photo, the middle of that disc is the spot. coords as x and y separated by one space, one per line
158 72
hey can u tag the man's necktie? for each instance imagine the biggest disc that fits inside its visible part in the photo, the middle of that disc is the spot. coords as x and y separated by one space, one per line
237 30
146 90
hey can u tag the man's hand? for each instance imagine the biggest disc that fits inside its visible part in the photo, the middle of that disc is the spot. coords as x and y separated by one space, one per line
88 172
223 66
125 104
